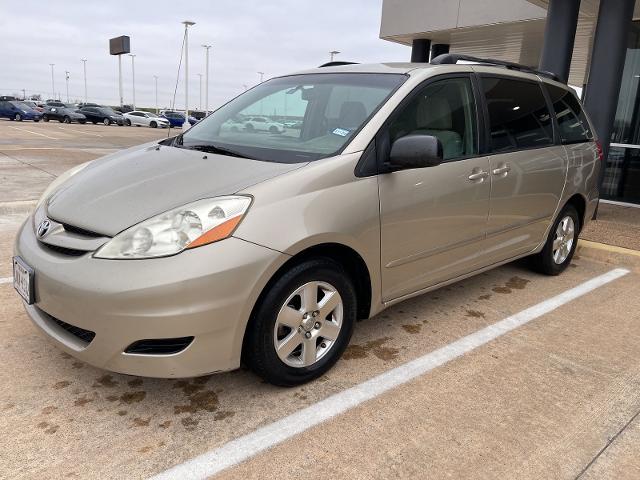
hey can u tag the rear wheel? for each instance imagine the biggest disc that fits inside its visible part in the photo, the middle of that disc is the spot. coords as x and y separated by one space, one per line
561 243
106 121
127 122
303 323
45 118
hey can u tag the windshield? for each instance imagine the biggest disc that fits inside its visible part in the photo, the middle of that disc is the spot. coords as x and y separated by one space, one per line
151 115
295 119
21 105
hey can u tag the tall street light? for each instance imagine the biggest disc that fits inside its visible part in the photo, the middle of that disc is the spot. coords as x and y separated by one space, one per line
53 85
333 53
66 77
84 67
187 24
200 98
156 79
206 80
133 78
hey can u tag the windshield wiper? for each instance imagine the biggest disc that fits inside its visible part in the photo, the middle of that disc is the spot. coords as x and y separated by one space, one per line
210 148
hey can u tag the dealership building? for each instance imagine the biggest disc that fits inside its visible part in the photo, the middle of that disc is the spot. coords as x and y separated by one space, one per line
594 45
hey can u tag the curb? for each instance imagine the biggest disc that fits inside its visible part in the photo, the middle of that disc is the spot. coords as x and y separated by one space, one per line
610 254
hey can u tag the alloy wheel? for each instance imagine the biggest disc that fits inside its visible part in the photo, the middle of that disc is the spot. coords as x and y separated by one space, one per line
563 241
308 324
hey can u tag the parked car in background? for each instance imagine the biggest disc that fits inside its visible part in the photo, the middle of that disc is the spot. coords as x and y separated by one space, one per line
33 105
55 103
263 124
88 104
104 115
197 114
63 114
176 119
16 110
124 109
146 119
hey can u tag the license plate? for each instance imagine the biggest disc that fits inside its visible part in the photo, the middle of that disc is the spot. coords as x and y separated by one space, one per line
23 279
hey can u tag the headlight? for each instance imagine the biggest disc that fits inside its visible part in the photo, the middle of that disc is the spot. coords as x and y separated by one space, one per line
198 223
53 186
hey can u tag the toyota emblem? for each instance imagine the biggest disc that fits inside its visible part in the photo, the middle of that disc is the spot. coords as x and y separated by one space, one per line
43 228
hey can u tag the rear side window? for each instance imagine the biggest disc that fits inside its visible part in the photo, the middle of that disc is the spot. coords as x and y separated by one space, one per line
518 114
572 122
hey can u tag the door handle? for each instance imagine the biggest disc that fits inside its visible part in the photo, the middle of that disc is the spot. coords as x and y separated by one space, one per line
501 170
481 175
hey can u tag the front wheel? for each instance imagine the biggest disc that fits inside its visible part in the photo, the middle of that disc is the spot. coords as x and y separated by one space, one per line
18 117
153 125
45 118
67 119
127 122
561 243
303 324
106 121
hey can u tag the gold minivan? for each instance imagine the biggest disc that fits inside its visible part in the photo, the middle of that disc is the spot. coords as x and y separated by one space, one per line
368 184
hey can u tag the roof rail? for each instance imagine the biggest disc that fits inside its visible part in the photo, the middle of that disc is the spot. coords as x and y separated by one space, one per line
453 58
336 64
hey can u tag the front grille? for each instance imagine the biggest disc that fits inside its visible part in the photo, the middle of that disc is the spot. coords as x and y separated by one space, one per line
72 252
80 231
159 346
85 335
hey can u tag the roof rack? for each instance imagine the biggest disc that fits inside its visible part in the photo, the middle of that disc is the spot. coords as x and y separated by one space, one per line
453 58
336 64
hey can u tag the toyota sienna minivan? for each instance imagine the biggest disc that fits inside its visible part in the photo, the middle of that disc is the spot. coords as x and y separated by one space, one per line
227 245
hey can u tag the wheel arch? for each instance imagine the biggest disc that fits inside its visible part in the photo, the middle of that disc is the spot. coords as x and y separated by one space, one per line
579 202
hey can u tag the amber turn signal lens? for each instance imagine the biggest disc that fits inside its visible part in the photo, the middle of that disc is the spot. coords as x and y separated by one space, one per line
220 232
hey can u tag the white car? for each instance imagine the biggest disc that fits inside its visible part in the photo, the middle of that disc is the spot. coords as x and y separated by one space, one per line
263 124
146 119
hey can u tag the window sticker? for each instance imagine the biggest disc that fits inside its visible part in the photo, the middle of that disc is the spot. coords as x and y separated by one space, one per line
341 131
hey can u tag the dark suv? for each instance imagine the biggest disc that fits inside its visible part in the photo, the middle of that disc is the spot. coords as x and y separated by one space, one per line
104 115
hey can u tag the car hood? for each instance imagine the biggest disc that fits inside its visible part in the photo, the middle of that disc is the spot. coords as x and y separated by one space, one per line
125 188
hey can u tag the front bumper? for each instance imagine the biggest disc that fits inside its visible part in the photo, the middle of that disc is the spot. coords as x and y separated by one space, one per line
207 293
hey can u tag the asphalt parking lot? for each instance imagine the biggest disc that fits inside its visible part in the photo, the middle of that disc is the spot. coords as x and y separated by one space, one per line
553 396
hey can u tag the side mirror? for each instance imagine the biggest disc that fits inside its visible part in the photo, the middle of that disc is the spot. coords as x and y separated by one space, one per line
415 151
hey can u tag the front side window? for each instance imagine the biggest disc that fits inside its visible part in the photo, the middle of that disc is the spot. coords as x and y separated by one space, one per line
518 114
294 119
572 122
446 110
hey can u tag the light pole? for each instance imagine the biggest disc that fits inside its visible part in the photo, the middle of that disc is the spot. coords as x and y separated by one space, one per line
66 77
133 78
333 53
187 24
206 81
156 79
261 76
53 85
84 67
200 99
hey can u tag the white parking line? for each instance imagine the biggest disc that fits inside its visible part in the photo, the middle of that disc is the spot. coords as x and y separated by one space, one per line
35 133
247 446
6 280
80 131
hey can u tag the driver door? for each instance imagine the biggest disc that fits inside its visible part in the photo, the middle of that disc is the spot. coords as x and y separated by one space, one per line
433 220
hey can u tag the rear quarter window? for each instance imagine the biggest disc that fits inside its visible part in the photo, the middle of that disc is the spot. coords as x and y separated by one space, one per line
518 114
572 121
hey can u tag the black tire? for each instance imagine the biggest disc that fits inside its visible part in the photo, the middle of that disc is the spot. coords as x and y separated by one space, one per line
249 127
127 122
17 117
82 122
66 119
259 352
36 120
106 121
273 129
544 261
45 118
94 122
153 125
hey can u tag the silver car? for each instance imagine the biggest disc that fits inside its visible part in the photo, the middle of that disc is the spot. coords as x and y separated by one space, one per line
219 246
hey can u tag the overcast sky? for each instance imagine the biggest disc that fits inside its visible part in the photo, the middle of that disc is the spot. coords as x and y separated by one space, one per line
276 37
